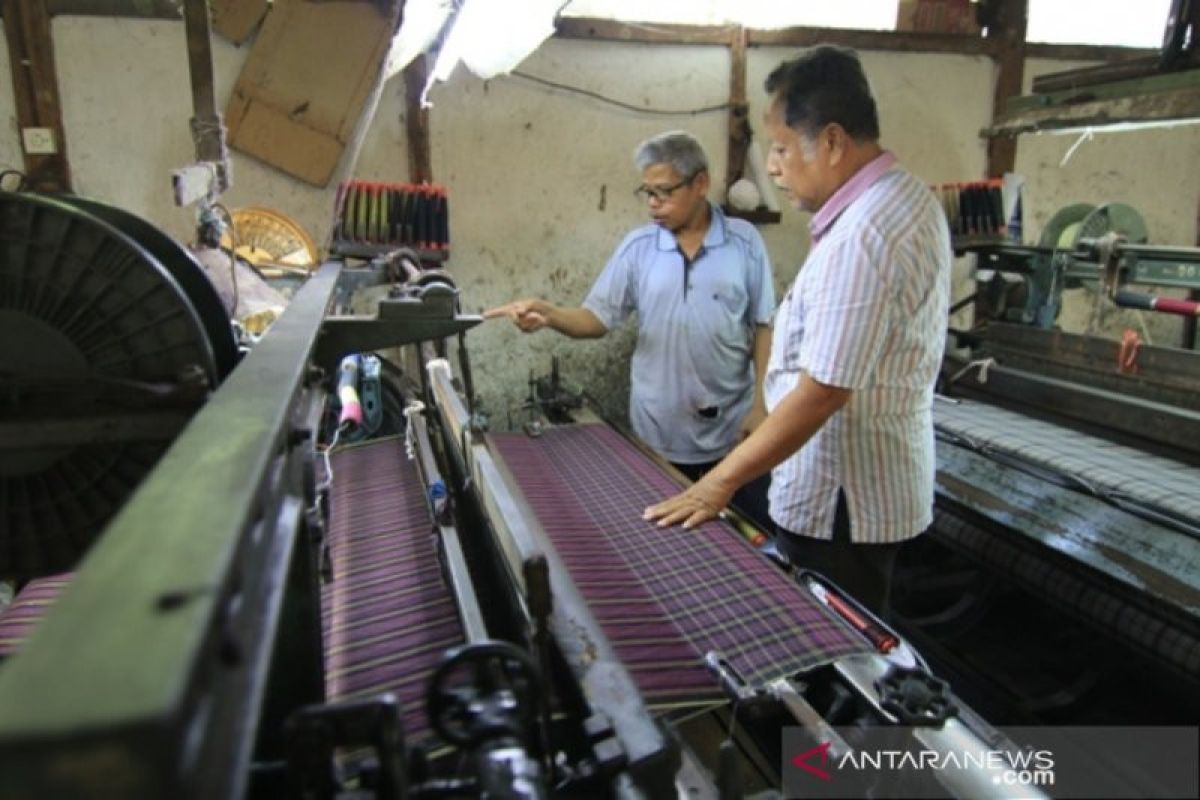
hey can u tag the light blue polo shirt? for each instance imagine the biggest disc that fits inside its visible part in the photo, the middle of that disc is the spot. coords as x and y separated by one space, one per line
693 367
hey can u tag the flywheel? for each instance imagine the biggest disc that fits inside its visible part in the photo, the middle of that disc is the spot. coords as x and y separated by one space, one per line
111 337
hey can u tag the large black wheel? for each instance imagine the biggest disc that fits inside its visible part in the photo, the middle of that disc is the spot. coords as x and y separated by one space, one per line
104 323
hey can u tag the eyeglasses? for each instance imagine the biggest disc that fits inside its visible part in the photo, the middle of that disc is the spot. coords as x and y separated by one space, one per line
660 193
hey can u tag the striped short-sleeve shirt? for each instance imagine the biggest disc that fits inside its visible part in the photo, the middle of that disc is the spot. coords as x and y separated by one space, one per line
866 312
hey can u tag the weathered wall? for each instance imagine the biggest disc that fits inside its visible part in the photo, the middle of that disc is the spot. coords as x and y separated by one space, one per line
126 98
541 179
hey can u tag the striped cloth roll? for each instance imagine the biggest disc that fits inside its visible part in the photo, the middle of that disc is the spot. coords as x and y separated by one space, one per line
665 598
388 615
20 617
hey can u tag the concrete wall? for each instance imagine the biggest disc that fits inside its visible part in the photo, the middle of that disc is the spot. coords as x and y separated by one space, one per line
541 179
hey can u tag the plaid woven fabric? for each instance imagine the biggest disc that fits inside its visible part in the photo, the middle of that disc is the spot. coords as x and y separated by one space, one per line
665 598
388 615
1108 466
22 615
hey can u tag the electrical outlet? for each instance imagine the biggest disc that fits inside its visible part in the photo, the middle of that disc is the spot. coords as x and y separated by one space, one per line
39 141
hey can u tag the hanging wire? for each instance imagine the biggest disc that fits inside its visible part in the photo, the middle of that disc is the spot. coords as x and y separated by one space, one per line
615 102
328 482
234 244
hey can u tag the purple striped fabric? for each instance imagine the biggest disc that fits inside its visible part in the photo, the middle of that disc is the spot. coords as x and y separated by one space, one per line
22 615
665 597
387 614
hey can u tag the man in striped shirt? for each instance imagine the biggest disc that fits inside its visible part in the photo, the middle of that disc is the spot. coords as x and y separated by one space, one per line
858 340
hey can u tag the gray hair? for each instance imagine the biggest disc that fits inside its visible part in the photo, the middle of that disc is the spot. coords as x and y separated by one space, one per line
679 149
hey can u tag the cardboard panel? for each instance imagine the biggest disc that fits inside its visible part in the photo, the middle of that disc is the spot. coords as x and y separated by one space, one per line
269 135
303 86
237 19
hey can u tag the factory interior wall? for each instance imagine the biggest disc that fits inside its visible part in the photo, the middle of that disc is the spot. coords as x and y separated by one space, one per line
541 179
1157 171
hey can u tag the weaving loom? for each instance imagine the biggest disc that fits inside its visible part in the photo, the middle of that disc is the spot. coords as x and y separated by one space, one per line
1120 512
1067 475
445 612
690 617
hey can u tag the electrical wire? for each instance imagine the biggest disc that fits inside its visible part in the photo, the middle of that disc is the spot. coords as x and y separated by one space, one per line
618 103
234 244
325 484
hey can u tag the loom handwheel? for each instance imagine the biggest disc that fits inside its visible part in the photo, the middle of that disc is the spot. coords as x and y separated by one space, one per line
502 688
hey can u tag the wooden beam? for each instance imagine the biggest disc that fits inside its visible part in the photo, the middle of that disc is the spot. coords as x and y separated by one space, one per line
197 183
1075 79
35 92
206 119
1085 52
644 33
897 41
1155 103
739 109
416 121
1008 29
150 9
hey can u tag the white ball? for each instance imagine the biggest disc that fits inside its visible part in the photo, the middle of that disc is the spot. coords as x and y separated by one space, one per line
744 195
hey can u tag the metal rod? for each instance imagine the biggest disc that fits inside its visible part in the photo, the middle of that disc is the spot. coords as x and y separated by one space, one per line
467 602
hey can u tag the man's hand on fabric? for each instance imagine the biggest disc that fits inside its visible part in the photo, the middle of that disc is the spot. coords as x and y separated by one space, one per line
701 502
528 315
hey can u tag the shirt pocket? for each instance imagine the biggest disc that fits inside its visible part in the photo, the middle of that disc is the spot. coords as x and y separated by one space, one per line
732 296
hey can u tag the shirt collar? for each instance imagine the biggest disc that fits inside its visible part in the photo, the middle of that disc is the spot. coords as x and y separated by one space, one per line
713 237
848 192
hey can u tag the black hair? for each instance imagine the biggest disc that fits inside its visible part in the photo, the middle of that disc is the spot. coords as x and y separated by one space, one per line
824 85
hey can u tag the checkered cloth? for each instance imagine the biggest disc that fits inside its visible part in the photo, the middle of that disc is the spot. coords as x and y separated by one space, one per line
1109 467
19 618
388 615
665 598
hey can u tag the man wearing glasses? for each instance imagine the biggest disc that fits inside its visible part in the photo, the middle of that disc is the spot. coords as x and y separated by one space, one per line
857 344
701 286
